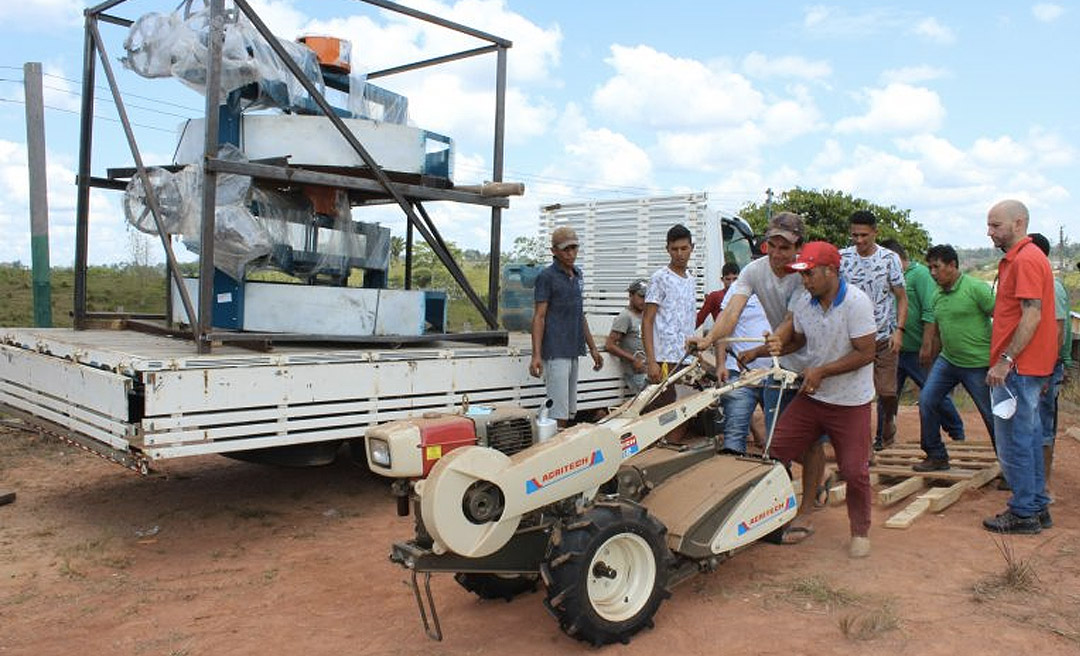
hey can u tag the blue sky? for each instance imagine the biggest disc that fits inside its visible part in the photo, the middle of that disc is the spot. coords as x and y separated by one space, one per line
941 108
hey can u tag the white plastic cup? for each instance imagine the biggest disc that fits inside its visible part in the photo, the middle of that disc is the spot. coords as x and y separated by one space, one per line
1005 408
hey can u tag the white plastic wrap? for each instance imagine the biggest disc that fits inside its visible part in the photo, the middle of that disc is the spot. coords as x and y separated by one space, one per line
175 45
239 236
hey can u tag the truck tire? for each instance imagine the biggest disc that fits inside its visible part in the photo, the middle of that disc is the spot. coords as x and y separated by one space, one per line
607 573
497 586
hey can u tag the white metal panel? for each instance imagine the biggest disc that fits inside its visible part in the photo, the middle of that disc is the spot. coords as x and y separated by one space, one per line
100 391
61 413
622 240
311 309
401 312
313 140
172 392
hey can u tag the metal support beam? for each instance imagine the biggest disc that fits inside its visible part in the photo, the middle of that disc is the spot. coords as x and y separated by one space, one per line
431 62
82 198
151 196
209 199
368 160
442 22
495 249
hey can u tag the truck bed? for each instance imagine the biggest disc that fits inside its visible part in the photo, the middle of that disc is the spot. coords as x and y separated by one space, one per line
137 398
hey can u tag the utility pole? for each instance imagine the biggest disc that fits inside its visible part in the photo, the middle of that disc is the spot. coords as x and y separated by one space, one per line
768 204
1061 248
39 194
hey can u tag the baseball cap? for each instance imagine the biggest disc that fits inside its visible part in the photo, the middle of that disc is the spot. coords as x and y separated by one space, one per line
562 237
788 225
639 287
815 254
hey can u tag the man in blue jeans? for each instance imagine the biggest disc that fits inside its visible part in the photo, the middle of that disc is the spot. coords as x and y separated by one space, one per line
962 310
739 405
917 348
1023 351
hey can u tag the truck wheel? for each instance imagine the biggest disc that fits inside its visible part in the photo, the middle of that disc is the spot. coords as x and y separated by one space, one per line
496 586
607 574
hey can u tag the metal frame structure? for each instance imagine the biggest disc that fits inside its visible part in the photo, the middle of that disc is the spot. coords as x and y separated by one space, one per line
408 197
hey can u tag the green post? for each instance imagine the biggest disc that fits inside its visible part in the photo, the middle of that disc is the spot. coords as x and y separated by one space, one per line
39 203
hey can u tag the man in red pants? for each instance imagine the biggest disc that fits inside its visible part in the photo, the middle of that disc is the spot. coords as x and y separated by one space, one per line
835 322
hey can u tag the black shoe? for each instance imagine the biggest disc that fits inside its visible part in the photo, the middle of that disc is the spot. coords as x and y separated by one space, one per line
931 464
1045 520
1007 522
878 444
957 438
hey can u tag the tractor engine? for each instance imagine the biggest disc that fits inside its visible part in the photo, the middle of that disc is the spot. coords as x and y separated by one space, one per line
406 449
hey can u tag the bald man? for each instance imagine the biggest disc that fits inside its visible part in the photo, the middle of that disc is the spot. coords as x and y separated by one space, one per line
1023 350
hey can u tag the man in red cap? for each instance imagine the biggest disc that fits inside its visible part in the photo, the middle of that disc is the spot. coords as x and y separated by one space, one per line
835 322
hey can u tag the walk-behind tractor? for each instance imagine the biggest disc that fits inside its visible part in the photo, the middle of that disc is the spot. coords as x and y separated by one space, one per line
608 524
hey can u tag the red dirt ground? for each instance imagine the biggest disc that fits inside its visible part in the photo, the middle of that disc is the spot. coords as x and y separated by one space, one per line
222 557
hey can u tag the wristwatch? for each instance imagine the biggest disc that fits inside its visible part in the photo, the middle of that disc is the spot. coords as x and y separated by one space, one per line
1008 358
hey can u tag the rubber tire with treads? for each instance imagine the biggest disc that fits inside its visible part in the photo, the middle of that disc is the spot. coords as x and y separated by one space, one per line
598 601
494 586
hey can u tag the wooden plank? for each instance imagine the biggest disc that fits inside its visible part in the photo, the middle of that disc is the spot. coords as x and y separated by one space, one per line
903 489
957 446
984 476
948 475
908 515
953 454
943 497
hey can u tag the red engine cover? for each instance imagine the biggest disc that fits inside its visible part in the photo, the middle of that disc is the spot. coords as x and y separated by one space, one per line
441 435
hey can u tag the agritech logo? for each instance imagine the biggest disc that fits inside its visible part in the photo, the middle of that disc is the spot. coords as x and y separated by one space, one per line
563 472
747 525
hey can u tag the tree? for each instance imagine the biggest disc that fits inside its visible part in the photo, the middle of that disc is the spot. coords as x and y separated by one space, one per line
827 213
397 247
529 249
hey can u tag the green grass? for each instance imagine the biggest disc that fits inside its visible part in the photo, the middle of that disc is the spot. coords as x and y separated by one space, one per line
125 288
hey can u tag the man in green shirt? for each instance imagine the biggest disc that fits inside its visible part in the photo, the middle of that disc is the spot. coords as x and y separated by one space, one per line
916 351
962 310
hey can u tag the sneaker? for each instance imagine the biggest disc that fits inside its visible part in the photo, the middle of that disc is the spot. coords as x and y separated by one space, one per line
1045 520
878 444
1007 522
931 464
860 547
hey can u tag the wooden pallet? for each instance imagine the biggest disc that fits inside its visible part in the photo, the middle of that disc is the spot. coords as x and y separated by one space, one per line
972 466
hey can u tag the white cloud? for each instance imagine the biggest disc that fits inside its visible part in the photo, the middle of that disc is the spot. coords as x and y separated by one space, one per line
913 75
659 90
1051 150
932 30
898 108
1002 152
1047 12
828 22
108 241
757 64
41 15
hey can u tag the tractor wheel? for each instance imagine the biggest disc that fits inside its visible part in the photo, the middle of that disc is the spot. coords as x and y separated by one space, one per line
607 574
496 586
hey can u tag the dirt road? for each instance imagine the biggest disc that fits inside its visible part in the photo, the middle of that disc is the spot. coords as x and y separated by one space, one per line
223 557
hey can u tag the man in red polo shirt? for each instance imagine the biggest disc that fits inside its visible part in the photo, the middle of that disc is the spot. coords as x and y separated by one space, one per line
1023 350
